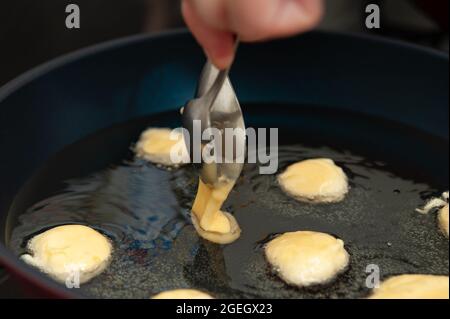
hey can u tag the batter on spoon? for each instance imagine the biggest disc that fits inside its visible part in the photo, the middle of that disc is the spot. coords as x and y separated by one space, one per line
210 222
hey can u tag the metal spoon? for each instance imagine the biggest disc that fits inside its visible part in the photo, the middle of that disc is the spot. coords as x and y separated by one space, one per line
216 106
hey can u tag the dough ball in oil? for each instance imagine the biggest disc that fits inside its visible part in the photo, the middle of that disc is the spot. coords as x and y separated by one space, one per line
306 258
219 238
413 287
315 180
69 252
443 220
210 222
157 144
182 294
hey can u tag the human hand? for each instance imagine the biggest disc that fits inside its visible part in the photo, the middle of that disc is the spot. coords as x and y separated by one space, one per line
214 23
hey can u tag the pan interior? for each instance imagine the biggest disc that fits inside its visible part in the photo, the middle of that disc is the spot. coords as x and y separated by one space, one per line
144 209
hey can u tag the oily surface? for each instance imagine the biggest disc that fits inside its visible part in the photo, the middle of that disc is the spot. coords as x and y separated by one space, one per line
144 209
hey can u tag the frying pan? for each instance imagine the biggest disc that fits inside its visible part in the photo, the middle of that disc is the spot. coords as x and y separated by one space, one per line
71 97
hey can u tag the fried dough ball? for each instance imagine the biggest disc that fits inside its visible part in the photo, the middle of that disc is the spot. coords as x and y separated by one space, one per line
315 180
182 294
157 144
306 258
413 287
67 251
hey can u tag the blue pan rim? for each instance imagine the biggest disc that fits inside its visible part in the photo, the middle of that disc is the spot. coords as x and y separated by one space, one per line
25 78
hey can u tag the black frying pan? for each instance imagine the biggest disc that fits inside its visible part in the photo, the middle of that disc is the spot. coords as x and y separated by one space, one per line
378 106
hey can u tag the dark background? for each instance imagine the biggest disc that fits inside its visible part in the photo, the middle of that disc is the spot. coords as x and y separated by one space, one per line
33 31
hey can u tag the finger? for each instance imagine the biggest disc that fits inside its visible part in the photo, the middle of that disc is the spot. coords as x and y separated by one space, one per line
256 20
218 44
212 12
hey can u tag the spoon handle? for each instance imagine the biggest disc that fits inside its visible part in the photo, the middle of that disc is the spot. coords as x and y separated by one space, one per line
214 91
